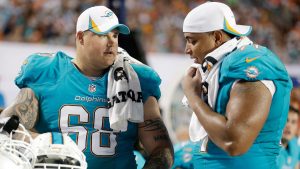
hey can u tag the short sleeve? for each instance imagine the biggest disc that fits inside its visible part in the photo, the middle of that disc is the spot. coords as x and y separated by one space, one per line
41 68
149 81
252 64
32 69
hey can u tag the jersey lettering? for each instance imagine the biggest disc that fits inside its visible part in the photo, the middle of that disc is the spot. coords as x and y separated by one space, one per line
103 140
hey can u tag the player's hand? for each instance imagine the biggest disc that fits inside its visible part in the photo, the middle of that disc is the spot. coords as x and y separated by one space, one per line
191 83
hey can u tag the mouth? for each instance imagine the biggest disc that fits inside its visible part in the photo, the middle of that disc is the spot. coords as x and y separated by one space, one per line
286 132
108 53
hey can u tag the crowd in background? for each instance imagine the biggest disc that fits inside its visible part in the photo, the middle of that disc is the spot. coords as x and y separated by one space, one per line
276 23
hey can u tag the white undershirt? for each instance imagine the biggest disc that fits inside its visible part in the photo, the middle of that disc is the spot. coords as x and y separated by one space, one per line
268 83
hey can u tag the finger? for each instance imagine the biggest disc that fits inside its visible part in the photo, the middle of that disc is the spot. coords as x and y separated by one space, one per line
198 74
191 71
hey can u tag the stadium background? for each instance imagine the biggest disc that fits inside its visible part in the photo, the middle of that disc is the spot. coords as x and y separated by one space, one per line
31 26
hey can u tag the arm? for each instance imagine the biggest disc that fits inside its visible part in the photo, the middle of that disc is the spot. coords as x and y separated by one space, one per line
25 107
154 137
246 113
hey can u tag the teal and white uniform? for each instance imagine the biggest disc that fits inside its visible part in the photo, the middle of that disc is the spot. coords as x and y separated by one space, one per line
298 146
251 63
73 103
140 160
288 157
183 155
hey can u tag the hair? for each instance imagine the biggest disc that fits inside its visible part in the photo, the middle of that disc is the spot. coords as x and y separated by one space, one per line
293 109
226 35
230 35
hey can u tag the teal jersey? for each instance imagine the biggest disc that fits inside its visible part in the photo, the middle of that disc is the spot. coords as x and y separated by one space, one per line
183 155
298 147
71 102
288 157
251 63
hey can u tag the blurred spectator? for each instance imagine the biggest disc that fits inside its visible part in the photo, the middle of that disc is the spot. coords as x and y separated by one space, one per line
295 94
276 22
288 157
293 43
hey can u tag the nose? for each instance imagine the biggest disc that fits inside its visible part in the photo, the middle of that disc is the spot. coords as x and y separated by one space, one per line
187 50
111 40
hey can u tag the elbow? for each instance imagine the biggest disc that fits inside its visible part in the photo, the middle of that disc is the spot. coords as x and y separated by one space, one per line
163 158
235 148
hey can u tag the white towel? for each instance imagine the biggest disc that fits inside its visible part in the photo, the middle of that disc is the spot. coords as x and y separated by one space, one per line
209 71
124 93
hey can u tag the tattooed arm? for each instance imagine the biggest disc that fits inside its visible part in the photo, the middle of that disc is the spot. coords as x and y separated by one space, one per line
25 107
155 138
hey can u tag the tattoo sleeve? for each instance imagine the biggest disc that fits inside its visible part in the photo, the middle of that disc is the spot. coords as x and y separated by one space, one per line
161 157
25 107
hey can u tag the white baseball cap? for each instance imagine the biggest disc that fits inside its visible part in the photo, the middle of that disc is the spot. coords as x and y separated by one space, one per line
100 20
212 16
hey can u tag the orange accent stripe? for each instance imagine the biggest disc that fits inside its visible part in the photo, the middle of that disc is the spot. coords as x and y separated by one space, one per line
94 26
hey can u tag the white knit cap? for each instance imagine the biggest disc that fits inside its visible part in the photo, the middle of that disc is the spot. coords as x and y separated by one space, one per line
100 20
212 16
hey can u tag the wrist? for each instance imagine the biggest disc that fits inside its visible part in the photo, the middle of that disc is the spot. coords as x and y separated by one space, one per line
194 99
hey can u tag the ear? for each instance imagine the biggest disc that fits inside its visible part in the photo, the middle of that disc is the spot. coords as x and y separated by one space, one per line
218 37
79 37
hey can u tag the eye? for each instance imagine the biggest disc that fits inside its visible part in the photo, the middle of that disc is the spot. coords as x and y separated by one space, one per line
116 35
101 36
193 42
